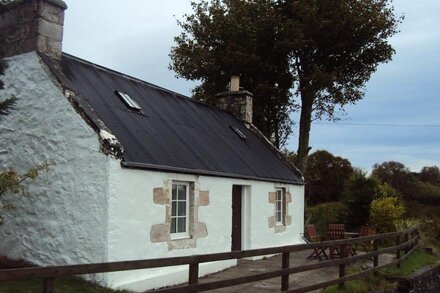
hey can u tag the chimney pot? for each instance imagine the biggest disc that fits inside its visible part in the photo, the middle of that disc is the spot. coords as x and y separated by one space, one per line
235 83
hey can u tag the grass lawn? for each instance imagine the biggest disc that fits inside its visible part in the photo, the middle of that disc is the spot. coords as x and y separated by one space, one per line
62 285
418 259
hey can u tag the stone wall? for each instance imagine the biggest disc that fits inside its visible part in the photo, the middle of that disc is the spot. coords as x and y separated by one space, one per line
240 103
35 25
426 280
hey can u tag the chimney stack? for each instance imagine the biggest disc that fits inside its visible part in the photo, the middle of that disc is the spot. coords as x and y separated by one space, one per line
239 102
32 25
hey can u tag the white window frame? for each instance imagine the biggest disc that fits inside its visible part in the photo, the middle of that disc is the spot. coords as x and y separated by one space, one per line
185 234
280 197
129 102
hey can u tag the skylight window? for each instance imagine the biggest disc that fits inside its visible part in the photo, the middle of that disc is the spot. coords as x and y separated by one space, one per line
128 101
238 132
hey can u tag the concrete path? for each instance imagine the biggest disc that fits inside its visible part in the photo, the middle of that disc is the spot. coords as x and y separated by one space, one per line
247 267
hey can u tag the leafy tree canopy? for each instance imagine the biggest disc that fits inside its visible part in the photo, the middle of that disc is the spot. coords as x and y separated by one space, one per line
398 176
6 104
224 38
430 174
326 176
323 51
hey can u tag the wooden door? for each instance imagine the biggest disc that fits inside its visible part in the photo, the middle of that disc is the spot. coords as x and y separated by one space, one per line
236 217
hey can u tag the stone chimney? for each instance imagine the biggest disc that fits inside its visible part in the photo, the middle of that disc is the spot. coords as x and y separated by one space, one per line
32 25
237 100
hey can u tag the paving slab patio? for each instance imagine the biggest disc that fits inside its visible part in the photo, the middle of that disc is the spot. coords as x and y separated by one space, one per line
249 267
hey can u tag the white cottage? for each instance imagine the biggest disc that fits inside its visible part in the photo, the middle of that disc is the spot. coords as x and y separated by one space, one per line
140 172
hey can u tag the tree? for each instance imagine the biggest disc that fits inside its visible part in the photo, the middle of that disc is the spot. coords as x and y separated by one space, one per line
224 38
397 176
336 46
323 51
326 176
430 174
6 105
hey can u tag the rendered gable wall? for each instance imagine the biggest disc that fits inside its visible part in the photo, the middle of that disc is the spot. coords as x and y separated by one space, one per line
63 217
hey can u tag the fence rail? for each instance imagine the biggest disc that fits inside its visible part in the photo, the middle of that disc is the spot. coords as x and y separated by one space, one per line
405 242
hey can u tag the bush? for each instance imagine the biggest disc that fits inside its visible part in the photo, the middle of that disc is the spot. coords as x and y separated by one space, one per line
427 193
385 190
7 263
385 212
358 194
327 213
405 224
428 217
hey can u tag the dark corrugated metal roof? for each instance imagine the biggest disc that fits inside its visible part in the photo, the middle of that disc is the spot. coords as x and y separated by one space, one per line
173 132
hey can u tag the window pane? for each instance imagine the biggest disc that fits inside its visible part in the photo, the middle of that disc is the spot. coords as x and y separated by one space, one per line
278 205
181 208
173 225
278 216
173 208
181 195
181 225
174 193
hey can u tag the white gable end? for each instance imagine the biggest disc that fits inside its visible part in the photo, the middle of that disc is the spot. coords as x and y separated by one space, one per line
62 219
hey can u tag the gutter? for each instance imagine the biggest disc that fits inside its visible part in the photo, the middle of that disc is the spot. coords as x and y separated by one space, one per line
145 166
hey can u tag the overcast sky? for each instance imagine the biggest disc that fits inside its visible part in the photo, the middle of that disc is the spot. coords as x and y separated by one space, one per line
399 118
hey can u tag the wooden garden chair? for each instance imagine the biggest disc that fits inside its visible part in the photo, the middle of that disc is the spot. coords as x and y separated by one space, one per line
364 232
312 236
335 232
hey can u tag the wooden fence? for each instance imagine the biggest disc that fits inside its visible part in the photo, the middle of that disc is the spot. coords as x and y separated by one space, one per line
403 244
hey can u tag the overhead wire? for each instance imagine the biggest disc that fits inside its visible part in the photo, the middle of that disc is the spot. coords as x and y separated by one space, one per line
378 124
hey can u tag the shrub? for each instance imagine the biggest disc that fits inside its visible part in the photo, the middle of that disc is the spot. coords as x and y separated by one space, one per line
385 212
428 217
358 194
327 213
7 263
427 193
386 190
405 224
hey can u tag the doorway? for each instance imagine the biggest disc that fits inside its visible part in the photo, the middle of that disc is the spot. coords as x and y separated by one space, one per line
236 217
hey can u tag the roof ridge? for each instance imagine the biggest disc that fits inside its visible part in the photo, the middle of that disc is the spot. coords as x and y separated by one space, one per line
112 71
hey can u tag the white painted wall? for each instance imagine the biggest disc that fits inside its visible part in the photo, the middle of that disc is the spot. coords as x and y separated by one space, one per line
62 218
132 213
89 209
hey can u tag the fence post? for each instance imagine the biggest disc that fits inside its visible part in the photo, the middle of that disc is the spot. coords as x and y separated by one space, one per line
376 256
48 285
285 265
193 278
414 235
418 235
342 266
398 250
406 244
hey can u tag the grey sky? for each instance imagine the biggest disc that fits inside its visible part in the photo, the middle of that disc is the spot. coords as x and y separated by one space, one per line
135 37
